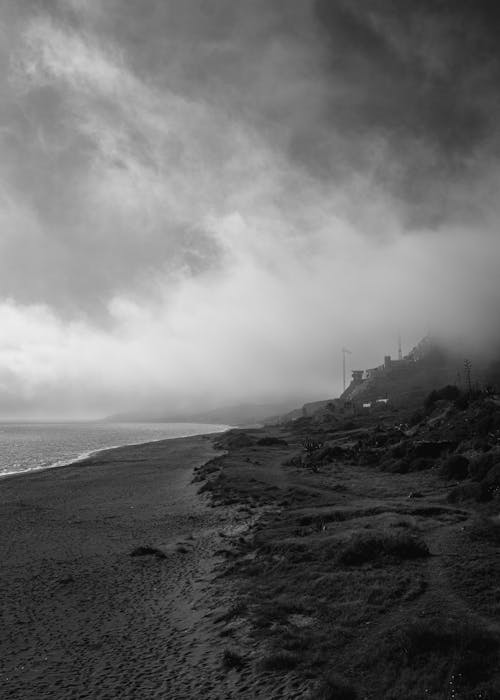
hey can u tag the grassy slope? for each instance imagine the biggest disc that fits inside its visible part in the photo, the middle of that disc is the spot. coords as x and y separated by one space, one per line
354 581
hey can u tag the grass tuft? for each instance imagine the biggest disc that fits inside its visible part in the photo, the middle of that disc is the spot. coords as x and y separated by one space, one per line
232 659
486 530
270 441
367 548
472 650
145 551
333 687
455 467
281 661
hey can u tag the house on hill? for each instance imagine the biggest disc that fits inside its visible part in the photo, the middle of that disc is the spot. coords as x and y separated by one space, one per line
407 379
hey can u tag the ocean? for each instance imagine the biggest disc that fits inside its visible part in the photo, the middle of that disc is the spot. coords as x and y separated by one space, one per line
26 447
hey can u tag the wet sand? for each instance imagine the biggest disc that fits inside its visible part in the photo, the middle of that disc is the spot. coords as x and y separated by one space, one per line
81 617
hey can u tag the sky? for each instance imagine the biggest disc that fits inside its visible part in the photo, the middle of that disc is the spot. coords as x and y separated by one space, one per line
203 201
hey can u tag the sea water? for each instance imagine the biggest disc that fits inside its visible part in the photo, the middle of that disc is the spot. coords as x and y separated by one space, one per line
27 447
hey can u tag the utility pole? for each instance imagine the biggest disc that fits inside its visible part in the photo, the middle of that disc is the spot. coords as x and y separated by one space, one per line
400 351
468 367
345 352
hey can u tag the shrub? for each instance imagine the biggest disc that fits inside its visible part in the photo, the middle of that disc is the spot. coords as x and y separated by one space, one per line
447 393
399 450
469 492
481 444
480 466
485 529
473 650
430 400
294 461
462 402
369 457
416 418
365 548
310 445
233 439
270 441
398 466
493 476
281 661
328 454
334 688
466 653
420 464
432 449
145 551
455 467
232 659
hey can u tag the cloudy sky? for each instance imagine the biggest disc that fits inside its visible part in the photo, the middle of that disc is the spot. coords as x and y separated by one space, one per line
202 201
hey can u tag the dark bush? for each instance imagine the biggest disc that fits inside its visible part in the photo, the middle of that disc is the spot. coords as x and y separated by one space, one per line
486 530
399 450
469 492
430 400
397 466
480 466
416 418
462 402
148 551
311 445
481 444
294 461
493 476
455 467
369 457
447 393
365 548
233 439
334 688
329 454
483 425
472 650
421 464
380 439
270 441
281 661
432 448
232 659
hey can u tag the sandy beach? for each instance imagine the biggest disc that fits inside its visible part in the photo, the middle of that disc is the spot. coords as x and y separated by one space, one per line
81 617
242 566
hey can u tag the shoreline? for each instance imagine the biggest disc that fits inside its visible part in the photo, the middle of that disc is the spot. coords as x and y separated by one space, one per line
89 454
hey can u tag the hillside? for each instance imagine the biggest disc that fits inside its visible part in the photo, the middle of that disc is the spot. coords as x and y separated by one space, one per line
408 380
368 564
238 415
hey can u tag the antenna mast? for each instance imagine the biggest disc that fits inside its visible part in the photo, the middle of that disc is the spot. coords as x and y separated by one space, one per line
345 352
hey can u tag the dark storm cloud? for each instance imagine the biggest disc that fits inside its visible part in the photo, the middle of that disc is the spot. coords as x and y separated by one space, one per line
422 76
428 69
209 198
